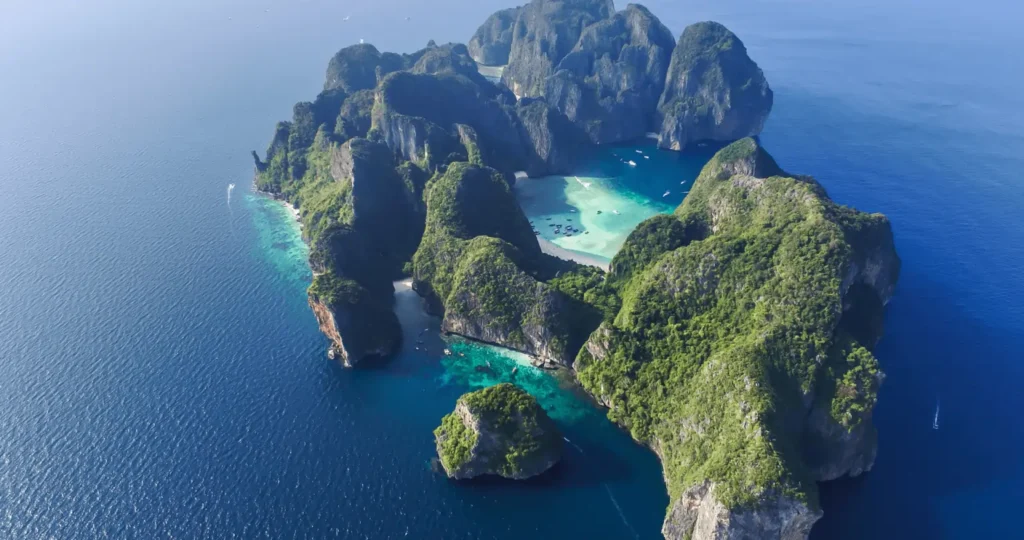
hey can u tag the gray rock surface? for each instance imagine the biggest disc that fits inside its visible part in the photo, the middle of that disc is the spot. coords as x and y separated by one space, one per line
544 33
611 81
698 515
713 91
492 42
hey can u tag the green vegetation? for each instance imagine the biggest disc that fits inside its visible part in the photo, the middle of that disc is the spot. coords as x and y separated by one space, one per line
455 442
725 315
522 438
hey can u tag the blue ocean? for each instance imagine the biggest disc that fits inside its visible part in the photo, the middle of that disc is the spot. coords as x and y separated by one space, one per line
161 375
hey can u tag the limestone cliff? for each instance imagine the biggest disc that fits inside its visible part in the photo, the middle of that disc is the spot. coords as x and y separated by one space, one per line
713 90
500 430
741 300
544 32
358 323
492 42
610 82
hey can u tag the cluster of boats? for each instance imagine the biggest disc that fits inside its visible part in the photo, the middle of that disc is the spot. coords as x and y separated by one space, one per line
567 230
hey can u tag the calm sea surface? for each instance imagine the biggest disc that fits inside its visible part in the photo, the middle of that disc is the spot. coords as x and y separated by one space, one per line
161 374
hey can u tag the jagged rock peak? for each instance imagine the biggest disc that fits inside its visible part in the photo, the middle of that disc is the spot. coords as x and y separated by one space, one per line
544 32
713 91
492 42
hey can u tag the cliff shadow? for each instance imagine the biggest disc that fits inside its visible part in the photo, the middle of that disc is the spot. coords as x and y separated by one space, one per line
936 351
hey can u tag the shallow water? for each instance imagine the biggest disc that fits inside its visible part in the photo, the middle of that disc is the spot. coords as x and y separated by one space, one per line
609 196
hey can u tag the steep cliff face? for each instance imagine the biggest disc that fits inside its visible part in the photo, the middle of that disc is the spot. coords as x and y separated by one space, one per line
417 115
359 323
492 42
555 143
741 304
698 515
544 32
354 117
610 83
501 431
481 264
713 91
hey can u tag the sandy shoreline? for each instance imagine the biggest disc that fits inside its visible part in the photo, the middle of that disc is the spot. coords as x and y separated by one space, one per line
553 249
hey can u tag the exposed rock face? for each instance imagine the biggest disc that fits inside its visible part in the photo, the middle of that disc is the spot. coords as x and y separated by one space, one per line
832 450
492 42
417 116
713 91
500 430
610 83
451 57
554 142
359 323
698 515
544 33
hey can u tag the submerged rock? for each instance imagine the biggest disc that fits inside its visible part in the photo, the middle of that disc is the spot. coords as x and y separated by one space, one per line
713 91
492 42
500 430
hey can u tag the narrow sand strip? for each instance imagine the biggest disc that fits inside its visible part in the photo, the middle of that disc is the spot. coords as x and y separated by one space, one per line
555 250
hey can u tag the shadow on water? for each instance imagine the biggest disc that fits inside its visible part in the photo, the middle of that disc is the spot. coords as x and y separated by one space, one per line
925 472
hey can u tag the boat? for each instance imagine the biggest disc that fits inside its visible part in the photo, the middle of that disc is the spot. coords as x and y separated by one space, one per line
647 157
935 422
639 151
598 211
616 212
666 194
447 352
515 369
572 210
632 163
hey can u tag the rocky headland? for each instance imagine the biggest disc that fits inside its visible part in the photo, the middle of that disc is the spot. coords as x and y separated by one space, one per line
499 431
733 337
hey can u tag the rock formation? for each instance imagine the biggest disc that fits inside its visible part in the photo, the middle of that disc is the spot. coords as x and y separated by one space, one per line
492 42
713 91
544 32
501 431
754 300
610 83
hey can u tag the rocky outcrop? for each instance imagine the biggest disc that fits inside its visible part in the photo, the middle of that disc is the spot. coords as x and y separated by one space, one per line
359 323
544 32
698 515
555 143
713 91
357 67
611 81
501 431
492 42
780 391
354 117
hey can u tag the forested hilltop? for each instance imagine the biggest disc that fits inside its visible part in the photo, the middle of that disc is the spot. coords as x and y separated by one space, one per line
733 337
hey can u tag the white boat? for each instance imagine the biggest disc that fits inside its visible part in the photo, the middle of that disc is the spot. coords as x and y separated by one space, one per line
647 157
639 151
632 163
616 212
347 17
666 194
935 422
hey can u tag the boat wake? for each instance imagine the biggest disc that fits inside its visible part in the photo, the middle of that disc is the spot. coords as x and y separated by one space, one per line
574 445
586 185
935 422
619 509
231 187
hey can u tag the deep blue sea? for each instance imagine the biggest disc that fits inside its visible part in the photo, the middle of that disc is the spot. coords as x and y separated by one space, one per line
162 376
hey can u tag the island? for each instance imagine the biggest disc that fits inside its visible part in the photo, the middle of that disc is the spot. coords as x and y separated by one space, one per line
733 337
499 431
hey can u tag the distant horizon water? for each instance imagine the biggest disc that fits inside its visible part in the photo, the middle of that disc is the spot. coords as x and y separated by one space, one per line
161 373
